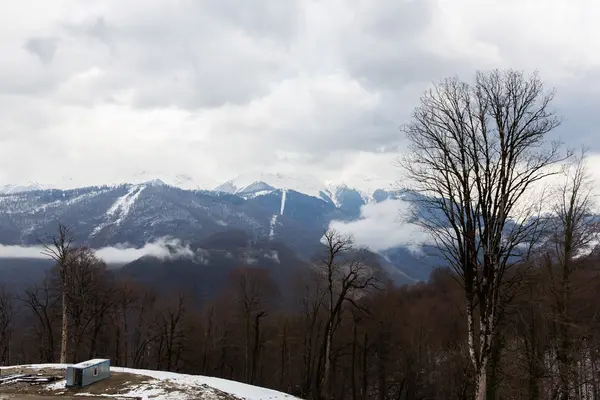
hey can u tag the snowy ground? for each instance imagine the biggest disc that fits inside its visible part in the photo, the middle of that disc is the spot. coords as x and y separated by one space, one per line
127 382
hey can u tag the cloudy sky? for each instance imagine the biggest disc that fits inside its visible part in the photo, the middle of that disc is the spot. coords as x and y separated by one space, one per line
101 91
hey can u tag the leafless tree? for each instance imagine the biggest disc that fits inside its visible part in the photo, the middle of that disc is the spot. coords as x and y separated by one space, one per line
39 300
573 235
126 299
61 252
171 332
6 320
345 276
254 290
89 297
476 152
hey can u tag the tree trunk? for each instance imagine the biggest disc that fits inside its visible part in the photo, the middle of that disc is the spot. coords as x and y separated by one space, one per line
256 348
248 349
365 376
563 350
481 383
64 329
282 367
327 368
353 365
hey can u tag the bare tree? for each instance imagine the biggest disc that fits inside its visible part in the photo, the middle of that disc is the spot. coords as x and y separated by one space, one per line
6 320
253 292
475 153
573 234
39 300
345 276
89 296
126 298
61 252
170 321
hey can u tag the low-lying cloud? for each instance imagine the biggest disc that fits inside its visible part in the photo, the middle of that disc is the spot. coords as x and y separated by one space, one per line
384 225
163 248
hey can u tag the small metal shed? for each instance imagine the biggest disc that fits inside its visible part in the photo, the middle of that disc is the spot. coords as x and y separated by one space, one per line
87 372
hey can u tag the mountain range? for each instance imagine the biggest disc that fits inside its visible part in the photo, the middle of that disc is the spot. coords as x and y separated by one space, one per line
271 221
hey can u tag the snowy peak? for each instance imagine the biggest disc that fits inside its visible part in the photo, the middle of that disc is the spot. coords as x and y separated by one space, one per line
30 187
182 181
156 182
244 183
227 187
255 187
356 189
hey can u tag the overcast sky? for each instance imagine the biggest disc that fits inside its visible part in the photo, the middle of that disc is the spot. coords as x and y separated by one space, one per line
99 91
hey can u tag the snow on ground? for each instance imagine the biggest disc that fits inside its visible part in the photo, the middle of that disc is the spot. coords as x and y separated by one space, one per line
173 386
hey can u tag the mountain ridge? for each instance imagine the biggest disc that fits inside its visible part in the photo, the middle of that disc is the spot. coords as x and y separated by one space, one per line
137 214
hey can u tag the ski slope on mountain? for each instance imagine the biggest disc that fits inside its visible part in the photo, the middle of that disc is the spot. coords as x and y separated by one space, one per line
147 384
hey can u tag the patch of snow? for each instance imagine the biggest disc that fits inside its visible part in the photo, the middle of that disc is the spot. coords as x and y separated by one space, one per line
283 197
272 226
74 200
58 385
187 386
272 255
256 194
120 208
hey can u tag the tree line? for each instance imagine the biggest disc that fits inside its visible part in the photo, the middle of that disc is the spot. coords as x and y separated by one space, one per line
514 313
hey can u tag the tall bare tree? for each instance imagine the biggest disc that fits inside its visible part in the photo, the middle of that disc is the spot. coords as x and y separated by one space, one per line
254 290
345 277
61 251
476 151
573 235
38 299
89 296
6 322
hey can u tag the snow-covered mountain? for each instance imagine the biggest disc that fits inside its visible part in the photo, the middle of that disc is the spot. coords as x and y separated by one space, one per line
276 209
253 183
11 188
343 194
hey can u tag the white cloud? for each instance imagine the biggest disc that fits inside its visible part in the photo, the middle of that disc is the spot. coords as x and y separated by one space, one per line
384 225
34 252
103 90
163 248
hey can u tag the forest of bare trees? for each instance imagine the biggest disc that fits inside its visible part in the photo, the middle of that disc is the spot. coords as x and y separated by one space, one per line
515 313
393 343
